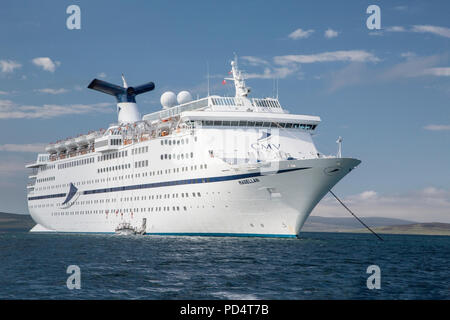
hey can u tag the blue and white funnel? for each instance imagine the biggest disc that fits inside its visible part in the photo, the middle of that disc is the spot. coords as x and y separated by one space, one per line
127 110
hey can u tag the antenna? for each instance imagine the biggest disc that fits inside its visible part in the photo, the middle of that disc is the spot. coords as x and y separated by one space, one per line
277 88
207 74
273 87
339 142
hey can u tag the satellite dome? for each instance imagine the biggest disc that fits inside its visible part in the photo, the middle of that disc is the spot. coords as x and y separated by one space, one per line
168 99
184 97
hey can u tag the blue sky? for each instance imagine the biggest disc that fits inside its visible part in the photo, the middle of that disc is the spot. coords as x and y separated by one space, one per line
385 91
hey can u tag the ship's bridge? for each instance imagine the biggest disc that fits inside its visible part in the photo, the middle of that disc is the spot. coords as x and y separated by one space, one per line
236 111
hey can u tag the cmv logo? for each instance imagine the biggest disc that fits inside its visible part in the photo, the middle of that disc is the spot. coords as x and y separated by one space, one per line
374 281
74 280
263 143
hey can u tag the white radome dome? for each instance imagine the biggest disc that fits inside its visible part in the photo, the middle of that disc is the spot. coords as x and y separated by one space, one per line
184 97
168 99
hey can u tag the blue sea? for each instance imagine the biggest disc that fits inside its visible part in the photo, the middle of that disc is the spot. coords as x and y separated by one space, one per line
316 266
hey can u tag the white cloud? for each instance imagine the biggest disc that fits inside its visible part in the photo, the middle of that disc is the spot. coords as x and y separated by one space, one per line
401 8
395 29
52 91
440 31
437 127
427 205
254 61
9 66
300 34
330 33
37 147
440 72
273 73
349 55
10 110
10 168
413 67
408 54
3 93
358 73
46 63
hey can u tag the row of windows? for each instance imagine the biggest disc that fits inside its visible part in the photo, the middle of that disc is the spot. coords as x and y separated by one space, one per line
114 168
121 211
116 142
76 163
46 179
47 167
141 164
177 157
139 150
113 155
129 176
176 142
244 123
162 196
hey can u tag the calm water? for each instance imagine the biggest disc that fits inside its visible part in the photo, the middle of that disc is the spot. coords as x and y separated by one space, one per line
317 266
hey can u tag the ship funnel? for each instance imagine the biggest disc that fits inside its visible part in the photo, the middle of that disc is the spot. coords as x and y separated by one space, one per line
126 97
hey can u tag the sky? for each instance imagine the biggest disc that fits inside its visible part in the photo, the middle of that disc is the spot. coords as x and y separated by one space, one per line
385 91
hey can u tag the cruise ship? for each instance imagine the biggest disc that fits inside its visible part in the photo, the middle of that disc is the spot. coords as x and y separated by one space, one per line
215 166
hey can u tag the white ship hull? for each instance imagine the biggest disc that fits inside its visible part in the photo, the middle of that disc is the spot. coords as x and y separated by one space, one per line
259 204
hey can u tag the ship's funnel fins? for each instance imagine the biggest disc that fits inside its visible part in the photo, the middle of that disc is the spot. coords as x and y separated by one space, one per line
106 87
122 94
144 88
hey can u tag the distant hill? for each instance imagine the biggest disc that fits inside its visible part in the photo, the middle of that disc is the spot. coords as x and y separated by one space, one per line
15 222
330 224
432 228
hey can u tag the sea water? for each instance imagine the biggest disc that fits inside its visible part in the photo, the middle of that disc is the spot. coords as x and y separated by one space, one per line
316 266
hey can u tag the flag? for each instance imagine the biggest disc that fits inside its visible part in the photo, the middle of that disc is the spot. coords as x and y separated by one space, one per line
224 81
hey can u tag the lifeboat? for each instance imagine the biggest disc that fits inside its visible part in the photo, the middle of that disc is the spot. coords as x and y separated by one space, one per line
81 141
71 144
60 146
51 148
91 137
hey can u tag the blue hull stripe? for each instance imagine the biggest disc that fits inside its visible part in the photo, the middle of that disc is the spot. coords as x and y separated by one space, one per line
264 235
187 234
166 184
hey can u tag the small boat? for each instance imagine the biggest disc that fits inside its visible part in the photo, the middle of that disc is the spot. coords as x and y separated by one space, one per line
125 229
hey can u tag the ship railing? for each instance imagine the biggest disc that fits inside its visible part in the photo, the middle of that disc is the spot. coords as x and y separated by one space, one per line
171 112
271 103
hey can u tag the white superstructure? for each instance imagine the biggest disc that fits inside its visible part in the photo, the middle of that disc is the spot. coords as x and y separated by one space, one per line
214 166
